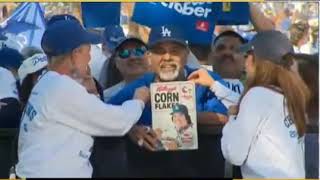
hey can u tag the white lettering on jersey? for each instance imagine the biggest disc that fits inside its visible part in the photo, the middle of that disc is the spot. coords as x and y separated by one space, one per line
28 115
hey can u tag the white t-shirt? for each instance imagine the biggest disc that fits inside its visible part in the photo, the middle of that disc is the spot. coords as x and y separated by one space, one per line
262 139
57 126
8 87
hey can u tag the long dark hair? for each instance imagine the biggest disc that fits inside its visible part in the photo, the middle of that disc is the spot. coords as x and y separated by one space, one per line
114 76
27 85
295 91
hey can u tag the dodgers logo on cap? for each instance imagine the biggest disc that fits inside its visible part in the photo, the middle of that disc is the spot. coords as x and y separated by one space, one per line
165 32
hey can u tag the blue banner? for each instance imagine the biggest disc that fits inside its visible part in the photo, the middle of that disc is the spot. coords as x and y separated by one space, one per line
235 13
195 18
26 25
198 19
100 14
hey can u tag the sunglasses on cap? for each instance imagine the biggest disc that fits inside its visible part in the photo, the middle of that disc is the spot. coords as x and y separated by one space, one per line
137 52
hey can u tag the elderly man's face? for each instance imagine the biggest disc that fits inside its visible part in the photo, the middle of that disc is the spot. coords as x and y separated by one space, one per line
224 58
168 60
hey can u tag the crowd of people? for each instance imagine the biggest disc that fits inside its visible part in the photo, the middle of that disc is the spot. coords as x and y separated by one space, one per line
257 102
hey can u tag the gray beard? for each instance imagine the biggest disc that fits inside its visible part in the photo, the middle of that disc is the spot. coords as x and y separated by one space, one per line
179 77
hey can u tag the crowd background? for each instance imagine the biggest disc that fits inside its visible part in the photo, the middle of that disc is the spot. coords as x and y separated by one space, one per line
298 16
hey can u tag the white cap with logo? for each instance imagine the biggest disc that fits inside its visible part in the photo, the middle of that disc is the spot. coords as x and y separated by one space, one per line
31 65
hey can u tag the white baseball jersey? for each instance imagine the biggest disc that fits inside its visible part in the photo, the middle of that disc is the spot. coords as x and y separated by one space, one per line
262 139
58 124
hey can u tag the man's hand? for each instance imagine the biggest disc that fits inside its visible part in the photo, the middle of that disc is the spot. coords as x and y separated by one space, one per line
86 80
90 85
143 94
144 137
201 77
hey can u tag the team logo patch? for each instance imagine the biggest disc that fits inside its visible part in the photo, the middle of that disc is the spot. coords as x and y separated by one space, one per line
202 26
165 32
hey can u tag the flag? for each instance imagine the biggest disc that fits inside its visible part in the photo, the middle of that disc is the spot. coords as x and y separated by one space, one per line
100 14
25 26
196 18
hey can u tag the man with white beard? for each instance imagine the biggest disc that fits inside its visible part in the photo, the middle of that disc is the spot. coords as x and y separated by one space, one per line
168 52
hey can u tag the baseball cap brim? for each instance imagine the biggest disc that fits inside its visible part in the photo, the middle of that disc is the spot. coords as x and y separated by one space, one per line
121 42
91 38
162 40
175 112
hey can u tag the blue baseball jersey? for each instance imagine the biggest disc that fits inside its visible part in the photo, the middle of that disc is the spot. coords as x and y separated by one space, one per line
206 101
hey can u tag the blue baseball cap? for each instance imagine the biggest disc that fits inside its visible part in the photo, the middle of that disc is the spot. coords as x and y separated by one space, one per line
113 36
271 45
60 17
64 36
167 33
179 108
10 58
130 39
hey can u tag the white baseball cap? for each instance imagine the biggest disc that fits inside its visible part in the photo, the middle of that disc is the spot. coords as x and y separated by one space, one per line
31 65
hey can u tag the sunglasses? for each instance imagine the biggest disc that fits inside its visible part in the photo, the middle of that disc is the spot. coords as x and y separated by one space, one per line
137 52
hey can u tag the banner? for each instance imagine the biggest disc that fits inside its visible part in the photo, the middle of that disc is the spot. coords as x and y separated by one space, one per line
195 18
99 14
25 26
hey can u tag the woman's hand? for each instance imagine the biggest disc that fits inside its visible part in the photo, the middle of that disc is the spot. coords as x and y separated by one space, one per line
201 77
233 110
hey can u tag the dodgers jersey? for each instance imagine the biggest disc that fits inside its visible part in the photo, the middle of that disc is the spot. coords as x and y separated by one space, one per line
58 123
206 101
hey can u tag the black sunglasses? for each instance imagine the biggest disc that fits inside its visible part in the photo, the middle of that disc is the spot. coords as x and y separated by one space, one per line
137 52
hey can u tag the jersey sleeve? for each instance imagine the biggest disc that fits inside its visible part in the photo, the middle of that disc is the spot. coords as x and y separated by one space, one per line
224 94
72 106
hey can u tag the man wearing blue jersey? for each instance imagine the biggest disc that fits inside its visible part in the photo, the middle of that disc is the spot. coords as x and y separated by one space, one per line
168 55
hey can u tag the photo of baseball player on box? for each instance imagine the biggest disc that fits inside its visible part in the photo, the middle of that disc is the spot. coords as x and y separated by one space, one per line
174 115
